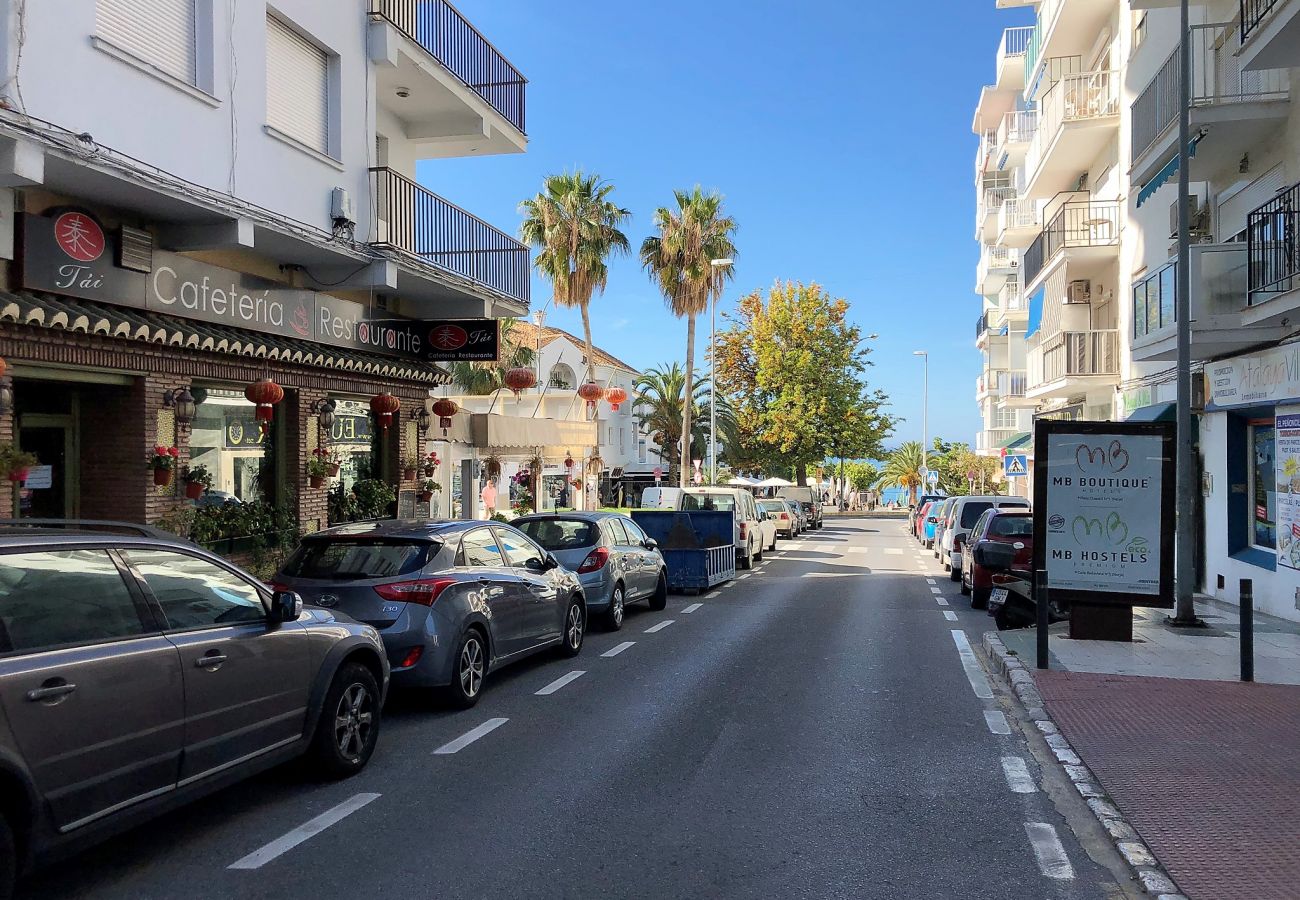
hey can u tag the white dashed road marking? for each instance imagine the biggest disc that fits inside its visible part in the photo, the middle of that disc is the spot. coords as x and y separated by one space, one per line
931 581
470 737
950 615
997 721
711 595
615 651
941 601
304 832
1018 777
893 551
935 590
660 627
743 577
692 608
560 682
1052 860
974 674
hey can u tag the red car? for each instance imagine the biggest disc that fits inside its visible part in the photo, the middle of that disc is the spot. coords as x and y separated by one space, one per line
918 525
1006 526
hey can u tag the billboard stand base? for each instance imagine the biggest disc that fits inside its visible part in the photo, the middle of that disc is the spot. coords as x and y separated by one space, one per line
1093 622
1193 622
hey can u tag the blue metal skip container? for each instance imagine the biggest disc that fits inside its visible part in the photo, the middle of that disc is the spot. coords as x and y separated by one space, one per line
699 547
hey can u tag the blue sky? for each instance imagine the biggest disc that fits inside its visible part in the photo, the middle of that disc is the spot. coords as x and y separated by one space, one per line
841 139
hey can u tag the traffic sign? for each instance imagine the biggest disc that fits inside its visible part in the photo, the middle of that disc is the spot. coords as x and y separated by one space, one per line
1015 465
659 473
932 479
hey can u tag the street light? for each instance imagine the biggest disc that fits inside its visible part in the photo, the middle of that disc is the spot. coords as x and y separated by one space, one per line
718 265
925 410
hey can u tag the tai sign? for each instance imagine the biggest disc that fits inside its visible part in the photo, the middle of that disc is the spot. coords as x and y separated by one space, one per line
1103 511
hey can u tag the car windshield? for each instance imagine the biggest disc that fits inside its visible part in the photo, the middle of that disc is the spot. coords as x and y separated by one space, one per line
775 506
351 559
720 502
971 512
1012 526
561 534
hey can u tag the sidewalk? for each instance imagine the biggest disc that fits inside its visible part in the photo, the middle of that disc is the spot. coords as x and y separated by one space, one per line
1205 768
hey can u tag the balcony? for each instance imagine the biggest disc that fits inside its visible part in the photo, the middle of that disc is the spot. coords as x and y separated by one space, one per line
1084 228
981 327
1019 222
990 441
1014 135
1009 306
1064 28
1270 34
995 266
1000 383
986 215
1077 116
453 92
1011 58
1070 361
1273 249
1234 110
424 228
1219 275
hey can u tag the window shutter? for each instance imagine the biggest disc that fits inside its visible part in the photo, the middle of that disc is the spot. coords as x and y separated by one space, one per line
297 86
160 32
1234 209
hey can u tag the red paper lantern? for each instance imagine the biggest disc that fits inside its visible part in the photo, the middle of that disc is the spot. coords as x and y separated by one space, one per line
616 396
520 379
591 392
384 406
264 394
568 462
444 409
4 367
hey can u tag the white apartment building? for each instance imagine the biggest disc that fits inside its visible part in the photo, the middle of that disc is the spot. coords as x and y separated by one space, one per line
1099 171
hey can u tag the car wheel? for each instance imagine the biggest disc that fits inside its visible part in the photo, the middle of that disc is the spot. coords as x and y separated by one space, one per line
746 561
575 626
349 723
965 588
469 670
953 573
614 615
659 599
773 547
979 598
8 860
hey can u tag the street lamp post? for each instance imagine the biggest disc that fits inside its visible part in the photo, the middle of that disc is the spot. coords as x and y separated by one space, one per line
925 410
718 265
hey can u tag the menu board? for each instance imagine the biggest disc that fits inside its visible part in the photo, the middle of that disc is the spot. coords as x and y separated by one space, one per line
1286 456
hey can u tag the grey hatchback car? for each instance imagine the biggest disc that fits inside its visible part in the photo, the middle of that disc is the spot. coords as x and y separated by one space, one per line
451 600
137 673
613 558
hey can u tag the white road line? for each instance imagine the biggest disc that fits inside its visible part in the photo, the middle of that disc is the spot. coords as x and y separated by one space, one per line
974 674
830 574
893 551
660 627
996 719
859 549
1052 860
692 608
950 615
470 737
1018 777
615 651
560 682
941 601
930 581
743 577
711 595
935 590
304 832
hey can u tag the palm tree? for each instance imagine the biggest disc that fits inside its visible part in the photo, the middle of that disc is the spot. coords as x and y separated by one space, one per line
575 228
903 469
658 406
679 259
483 378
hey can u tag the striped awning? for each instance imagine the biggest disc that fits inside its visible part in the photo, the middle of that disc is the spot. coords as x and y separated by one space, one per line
88 317
1167 171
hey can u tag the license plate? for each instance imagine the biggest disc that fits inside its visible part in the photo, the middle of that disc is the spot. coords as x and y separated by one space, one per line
998 597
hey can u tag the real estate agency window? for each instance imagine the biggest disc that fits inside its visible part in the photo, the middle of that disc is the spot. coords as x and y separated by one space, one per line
1263 484
227 440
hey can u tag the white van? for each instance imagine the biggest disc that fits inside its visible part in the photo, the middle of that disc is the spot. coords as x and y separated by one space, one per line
963 514
661 498
751 532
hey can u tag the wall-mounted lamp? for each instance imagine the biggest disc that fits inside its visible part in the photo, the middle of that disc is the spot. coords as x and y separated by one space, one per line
421 416
324 411
182 401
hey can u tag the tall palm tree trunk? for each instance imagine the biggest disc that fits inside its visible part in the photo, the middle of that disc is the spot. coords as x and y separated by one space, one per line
586 335
687 394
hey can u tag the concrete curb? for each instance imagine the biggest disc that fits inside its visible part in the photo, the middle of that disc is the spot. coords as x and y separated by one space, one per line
1149 873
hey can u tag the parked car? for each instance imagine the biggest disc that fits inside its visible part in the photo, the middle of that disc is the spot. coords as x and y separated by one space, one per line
797 513
934 521
751 537
452 601
660 498
138 673
787 523
614 560
963 514
915 511
1004 526
918 522
808 498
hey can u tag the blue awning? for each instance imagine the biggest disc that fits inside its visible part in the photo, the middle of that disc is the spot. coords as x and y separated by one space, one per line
1035 311
1006 329
1167 171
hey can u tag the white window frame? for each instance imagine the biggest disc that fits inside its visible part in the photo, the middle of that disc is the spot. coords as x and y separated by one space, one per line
201 86
332 153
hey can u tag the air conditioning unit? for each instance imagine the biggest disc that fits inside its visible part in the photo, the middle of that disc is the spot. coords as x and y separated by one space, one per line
1079 292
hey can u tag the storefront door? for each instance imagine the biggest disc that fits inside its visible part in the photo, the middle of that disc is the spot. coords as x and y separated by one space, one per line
51 489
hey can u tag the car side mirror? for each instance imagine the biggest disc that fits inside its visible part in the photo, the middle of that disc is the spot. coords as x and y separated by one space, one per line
650 544
550 562
286 606
995 556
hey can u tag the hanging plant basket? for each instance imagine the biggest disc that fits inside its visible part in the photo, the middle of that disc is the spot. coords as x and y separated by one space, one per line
334 469
426 496
316 481
194 490
492 465
18 475
162 477
408 474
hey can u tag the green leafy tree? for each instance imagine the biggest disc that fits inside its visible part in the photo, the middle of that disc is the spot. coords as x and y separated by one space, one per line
861 475
903 470
658 408
575 227
679 260
961 469
794 370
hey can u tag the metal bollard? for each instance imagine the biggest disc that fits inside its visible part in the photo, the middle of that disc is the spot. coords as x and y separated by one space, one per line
1040 607
1246 601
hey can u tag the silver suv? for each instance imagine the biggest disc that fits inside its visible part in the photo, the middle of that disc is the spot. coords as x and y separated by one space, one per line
138 672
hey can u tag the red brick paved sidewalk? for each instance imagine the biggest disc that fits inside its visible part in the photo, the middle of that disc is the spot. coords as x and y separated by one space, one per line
1208 772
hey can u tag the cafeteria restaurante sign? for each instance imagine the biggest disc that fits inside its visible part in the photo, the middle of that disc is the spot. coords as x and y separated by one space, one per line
73 255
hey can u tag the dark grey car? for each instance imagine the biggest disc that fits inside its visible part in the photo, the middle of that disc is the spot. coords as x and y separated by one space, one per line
451 600
137 673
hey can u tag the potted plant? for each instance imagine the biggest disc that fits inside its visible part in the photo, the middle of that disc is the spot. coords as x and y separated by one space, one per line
197 480
427 489
14 463
410 465
492 465
431 463
318 468
331 457
163 461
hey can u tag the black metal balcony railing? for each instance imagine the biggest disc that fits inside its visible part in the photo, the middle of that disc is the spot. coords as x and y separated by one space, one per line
1252 13
1273 246
981 325
419 222
448 37
1086 223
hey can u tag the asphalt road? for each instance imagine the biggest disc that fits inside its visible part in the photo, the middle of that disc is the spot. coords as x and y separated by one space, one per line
811 730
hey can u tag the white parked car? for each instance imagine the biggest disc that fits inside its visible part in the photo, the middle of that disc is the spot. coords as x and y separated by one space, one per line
963 514
754 533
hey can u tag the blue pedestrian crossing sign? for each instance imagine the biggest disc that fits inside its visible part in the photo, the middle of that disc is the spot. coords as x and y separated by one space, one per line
932 479
1015 465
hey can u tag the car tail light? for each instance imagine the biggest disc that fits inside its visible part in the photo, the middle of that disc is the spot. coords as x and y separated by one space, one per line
412 657
1003 578
424 591
744 530
956 544
595 561
785 517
